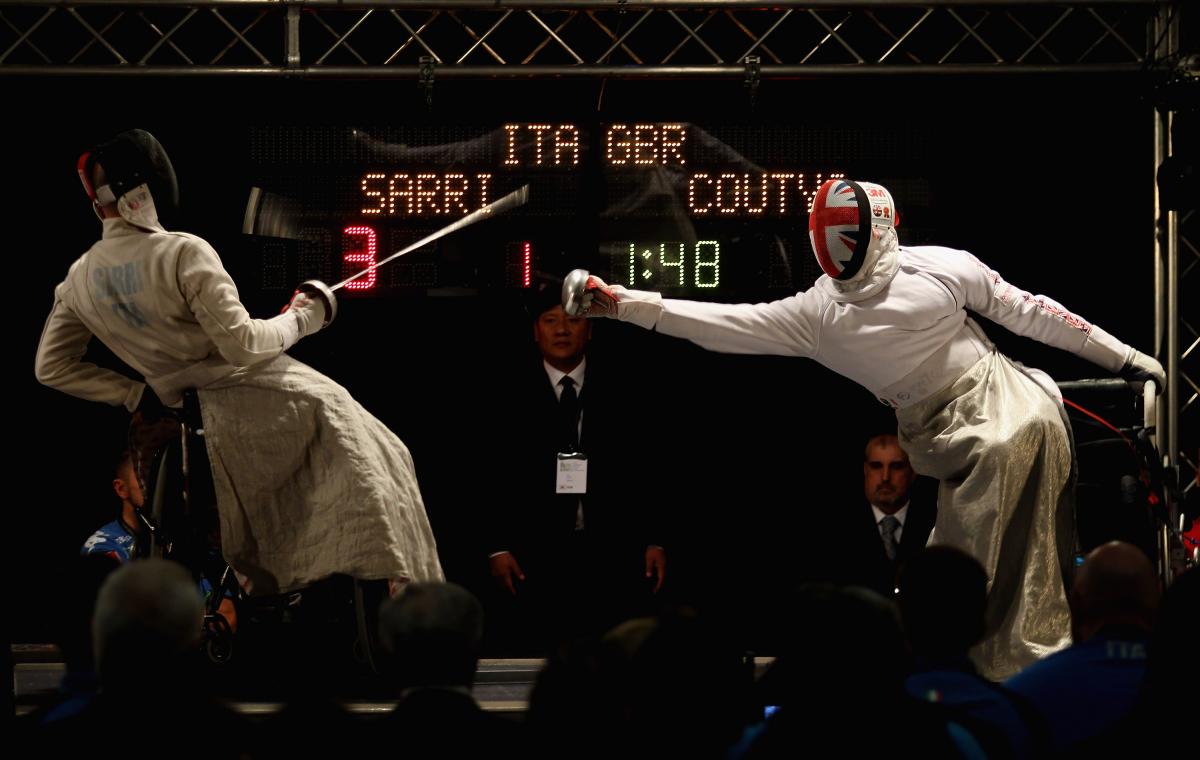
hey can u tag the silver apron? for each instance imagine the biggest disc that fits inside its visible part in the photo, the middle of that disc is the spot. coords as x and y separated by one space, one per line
999 444
309 483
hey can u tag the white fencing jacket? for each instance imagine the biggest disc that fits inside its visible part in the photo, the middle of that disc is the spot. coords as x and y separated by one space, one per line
165 306
902 332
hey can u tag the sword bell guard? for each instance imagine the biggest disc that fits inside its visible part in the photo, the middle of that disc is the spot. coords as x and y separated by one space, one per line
573 289
318 289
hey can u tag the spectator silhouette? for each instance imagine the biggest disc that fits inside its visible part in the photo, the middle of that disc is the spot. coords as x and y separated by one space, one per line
1094 684
146 634
943 606
844 662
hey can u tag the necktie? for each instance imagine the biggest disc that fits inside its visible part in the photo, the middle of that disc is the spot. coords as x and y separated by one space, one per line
568 413
887 530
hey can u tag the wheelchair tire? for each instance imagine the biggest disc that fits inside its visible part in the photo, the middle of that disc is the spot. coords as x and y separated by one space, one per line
368 595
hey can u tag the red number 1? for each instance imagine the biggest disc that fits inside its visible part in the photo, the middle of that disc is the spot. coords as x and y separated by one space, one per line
358 246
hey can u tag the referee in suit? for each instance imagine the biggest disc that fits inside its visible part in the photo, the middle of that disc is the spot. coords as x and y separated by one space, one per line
573 542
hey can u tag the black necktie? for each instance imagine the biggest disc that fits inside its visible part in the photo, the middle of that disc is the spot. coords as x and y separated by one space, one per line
568 415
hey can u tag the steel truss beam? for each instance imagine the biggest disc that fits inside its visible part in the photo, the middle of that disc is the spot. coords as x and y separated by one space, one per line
574 38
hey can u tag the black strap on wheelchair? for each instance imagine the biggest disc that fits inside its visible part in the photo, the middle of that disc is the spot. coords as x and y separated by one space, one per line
192 417
161 542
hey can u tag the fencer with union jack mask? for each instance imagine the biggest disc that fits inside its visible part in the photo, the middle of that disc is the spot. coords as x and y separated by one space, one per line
895 319
308 482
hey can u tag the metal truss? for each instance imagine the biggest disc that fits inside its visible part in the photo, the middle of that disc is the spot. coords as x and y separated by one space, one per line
1183 346
575 38
1188 409
1177 262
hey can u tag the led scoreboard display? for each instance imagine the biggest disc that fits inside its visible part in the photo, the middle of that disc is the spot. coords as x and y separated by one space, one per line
669 206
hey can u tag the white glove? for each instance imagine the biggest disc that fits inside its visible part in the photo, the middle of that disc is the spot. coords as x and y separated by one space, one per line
301 317
1139 366
599 299
309 313
586 295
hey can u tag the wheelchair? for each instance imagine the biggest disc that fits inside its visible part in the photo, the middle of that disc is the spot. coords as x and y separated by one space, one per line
180 515
1124 490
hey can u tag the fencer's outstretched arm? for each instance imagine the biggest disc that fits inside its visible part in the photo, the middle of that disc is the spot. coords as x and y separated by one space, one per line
981 289
59 362
213 299
788 327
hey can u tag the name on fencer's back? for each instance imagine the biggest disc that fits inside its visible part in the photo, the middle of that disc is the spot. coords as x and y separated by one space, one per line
121 280
118 283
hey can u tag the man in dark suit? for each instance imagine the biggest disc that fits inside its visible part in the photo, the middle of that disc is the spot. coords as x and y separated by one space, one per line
888 527
573 545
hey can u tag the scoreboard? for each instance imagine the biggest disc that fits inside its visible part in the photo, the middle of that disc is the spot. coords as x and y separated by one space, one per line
696 211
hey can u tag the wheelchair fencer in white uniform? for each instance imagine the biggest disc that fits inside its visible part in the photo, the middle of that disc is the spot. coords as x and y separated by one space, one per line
308 483
894 319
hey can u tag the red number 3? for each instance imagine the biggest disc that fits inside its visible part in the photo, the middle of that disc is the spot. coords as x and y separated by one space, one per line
358 246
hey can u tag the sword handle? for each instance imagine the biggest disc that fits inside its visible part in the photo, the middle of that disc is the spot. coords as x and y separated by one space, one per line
320 291
316 290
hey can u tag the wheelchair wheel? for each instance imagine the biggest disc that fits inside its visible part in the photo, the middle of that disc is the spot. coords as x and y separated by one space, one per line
218 639
368 596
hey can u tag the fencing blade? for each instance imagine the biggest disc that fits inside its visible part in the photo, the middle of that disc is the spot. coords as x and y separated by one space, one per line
513 200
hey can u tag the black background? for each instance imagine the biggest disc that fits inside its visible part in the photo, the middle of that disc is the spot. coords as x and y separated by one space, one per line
1047 179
